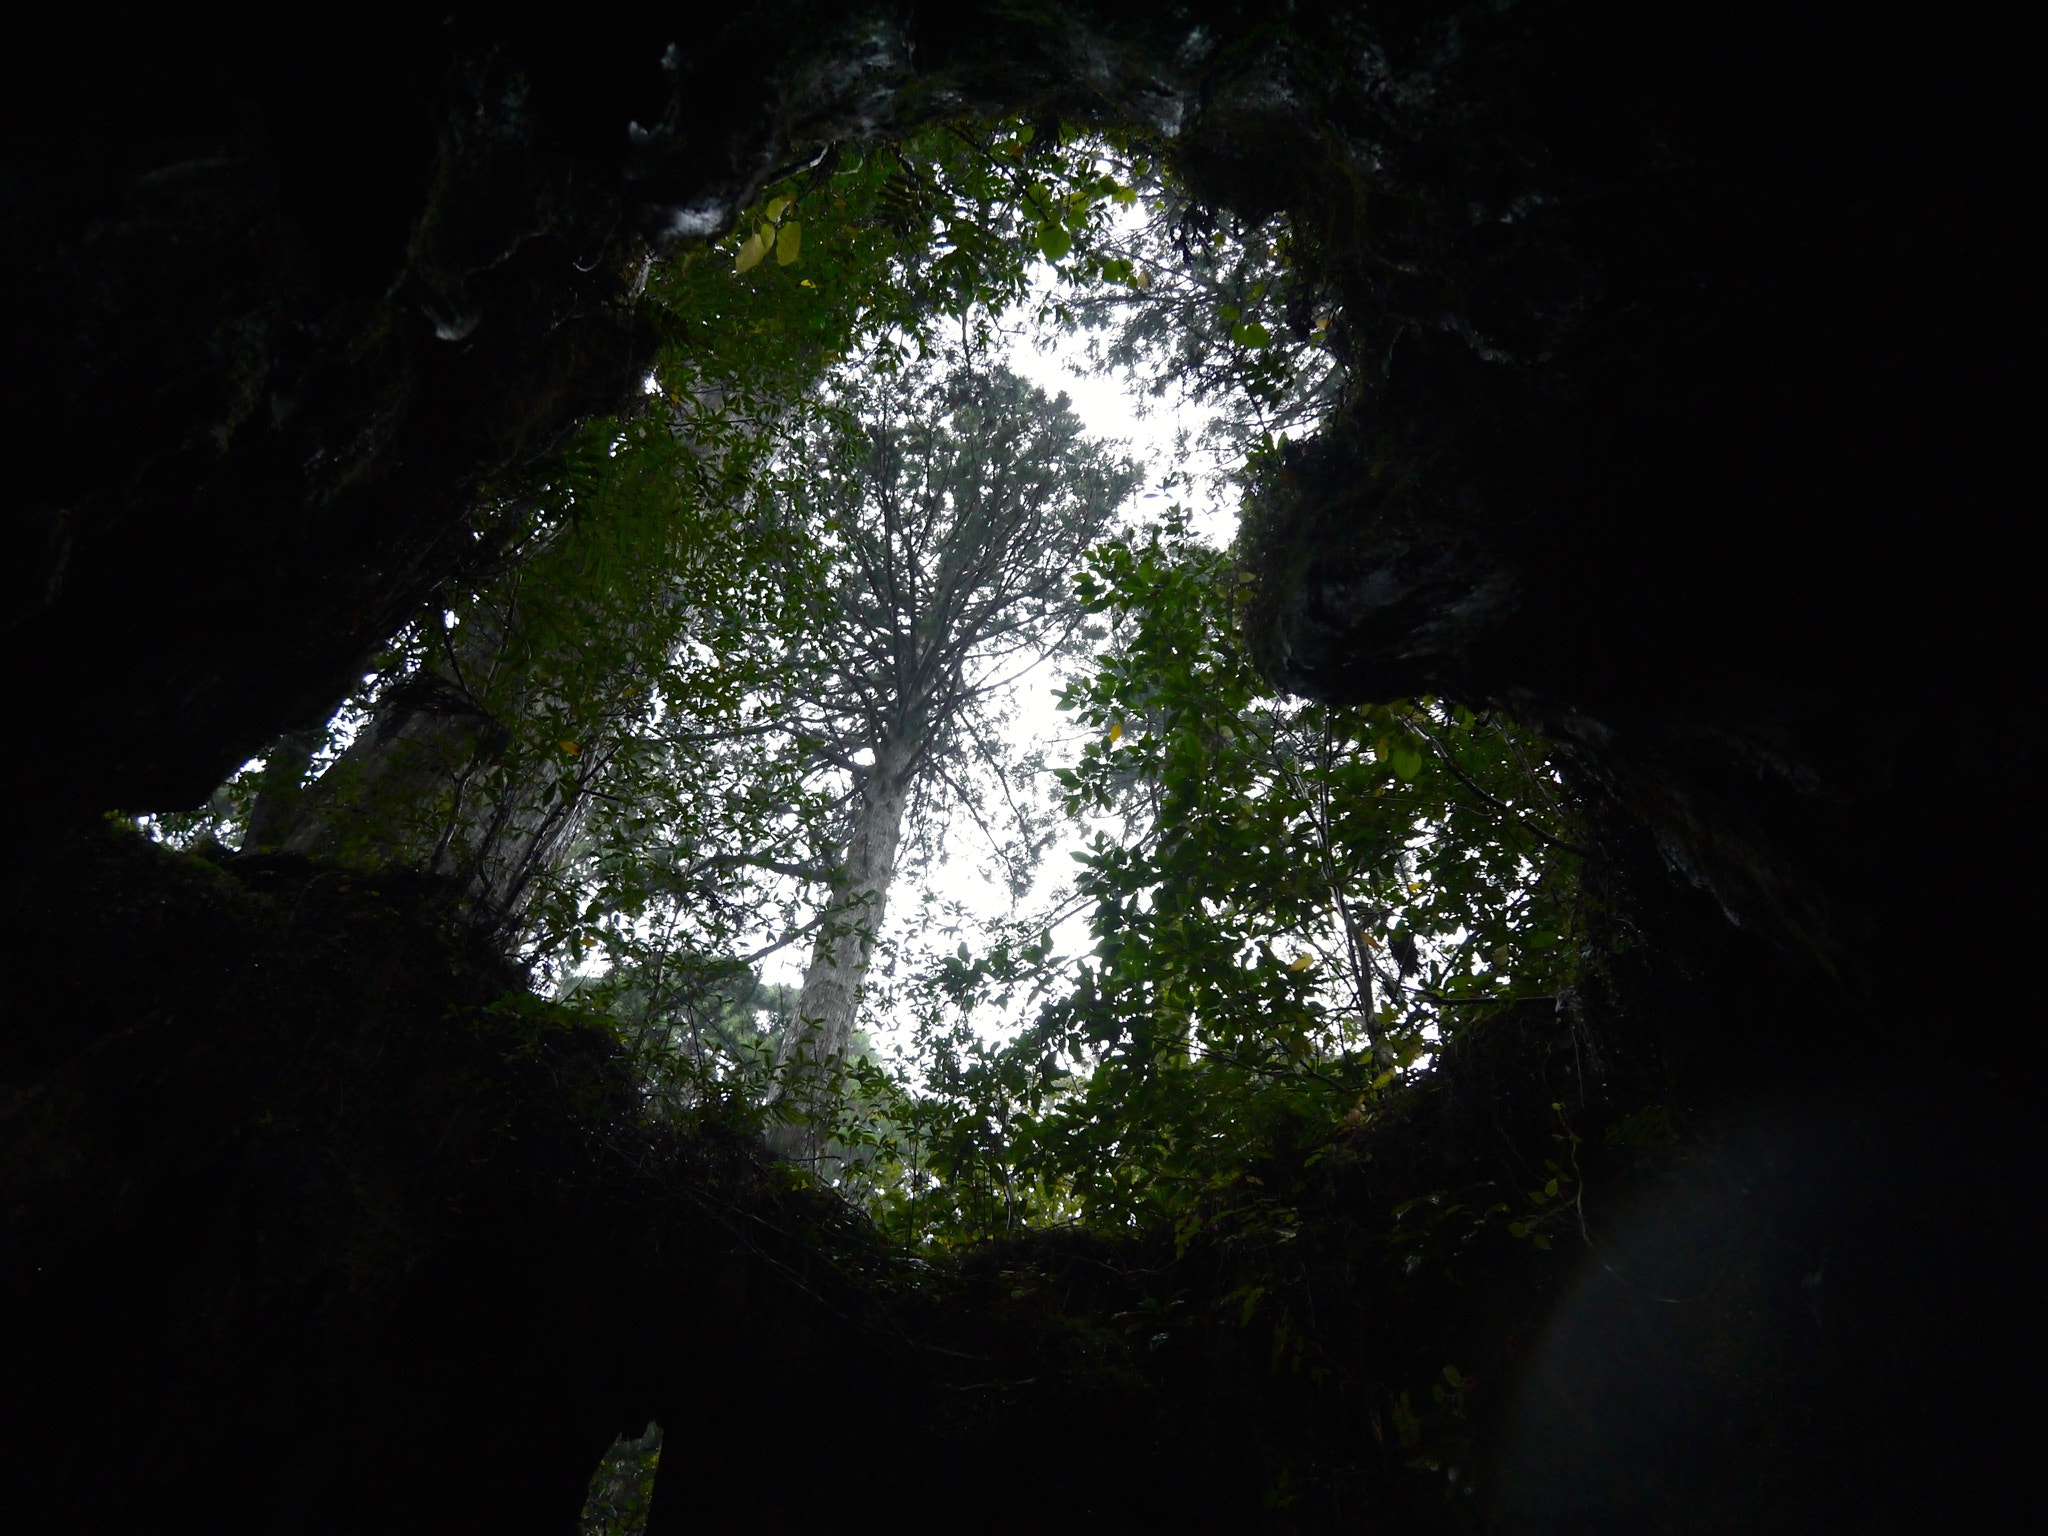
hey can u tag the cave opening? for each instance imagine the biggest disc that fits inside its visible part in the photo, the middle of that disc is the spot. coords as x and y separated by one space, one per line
1070 767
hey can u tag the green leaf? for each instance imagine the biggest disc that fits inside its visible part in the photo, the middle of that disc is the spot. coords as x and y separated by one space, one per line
1407 1428
1054 240
789 243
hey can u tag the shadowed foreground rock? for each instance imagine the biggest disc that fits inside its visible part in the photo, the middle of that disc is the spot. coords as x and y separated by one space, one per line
316 1220
312 1219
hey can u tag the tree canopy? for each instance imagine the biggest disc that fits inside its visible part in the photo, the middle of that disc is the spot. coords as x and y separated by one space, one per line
744 642
742 635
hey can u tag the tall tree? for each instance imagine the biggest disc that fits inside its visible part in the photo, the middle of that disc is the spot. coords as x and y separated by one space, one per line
957 500
489 741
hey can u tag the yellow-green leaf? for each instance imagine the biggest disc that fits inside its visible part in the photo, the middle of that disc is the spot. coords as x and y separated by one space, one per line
1116 731
789 243
752 249
1301 962
775 206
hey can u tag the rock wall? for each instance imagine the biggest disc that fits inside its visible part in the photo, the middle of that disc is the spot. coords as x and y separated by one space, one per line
316 1220
1690 359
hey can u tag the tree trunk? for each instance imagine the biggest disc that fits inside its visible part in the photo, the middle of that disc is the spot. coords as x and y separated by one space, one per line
278 792
438 782
831 992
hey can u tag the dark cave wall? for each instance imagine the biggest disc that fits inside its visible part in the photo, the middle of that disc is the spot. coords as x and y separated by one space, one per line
1691 366
1692 359
251 397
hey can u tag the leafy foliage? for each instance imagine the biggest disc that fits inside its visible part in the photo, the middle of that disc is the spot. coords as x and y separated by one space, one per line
641 739
1191 302
1297 906
1292 907
622 1488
